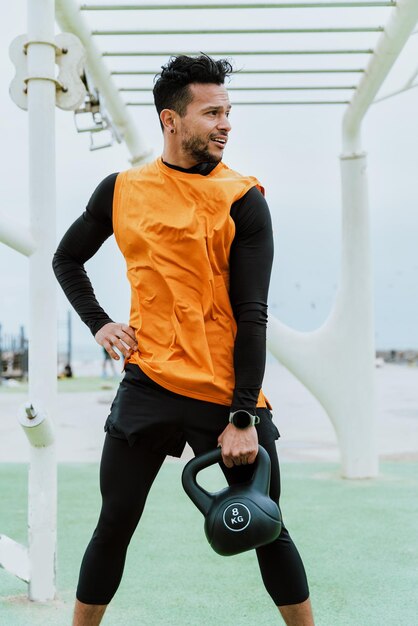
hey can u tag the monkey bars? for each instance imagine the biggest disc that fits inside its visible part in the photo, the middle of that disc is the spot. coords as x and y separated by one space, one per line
273 59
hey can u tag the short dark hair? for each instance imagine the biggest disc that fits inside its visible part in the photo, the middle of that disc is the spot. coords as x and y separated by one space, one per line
171 89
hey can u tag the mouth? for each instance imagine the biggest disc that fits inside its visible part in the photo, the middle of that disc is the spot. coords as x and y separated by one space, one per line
219 141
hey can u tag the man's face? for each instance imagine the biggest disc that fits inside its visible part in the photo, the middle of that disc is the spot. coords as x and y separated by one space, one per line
204 128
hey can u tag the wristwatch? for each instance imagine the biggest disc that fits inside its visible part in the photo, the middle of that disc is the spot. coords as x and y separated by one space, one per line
243 419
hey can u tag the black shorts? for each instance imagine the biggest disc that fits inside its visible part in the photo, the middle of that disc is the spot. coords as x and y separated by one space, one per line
167 421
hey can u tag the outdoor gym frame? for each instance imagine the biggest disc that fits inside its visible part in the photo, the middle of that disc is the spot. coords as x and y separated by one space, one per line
336 362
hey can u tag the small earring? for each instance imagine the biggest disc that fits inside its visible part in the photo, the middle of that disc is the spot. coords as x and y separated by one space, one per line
172 131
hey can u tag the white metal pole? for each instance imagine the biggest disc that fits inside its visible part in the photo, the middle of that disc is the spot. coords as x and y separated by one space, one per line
355 417
42 328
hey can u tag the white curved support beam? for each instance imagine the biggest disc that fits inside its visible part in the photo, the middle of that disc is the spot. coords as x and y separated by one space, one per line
336 362
16 236
69 18
14 558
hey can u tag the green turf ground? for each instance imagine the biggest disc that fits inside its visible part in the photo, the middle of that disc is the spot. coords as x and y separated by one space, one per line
359 540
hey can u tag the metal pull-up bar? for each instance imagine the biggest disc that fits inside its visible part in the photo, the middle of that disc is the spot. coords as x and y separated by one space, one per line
282 102
228 5
267 103
243 31
312 88
234 53
310 71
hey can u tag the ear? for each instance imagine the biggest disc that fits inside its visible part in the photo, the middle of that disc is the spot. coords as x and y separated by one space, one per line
168 120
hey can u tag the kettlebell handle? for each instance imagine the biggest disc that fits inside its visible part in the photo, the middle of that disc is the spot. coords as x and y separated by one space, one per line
196 493
202 498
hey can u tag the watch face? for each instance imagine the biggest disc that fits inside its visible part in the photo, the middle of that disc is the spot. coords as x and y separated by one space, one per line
241 419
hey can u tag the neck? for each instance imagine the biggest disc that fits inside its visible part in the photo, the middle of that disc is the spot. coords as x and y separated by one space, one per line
178 159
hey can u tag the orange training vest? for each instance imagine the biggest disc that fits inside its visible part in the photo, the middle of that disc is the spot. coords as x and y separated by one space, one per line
175 231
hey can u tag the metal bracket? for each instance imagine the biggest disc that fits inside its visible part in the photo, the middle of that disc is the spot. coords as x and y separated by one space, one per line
71 69
45 43
70 58
93 118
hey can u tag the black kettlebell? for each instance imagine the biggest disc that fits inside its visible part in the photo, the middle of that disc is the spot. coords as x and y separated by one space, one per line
240 517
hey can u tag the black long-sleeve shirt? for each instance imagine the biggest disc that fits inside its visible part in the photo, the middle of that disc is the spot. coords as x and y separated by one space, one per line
250 267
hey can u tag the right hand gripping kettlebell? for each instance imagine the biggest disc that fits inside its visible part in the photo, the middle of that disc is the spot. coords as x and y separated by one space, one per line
240 517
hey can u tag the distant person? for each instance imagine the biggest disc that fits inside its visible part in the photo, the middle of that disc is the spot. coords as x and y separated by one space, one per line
107 361
67 371
198 244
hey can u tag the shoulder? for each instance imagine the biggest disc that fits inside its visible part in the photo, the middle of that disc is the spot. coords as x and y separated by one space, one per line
251 212
224 171
137 173
106 187
100 204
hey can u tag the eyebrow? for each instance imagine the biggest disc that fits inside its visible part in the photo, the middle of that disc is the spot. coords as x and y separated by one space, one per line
217 108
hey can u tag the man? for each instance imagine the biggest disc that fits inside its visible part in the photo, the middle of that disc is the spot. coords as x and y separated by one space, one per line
197 241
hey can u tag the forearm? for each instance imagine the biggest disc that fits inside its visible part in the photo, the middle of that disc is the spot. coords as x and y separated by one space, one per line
249 364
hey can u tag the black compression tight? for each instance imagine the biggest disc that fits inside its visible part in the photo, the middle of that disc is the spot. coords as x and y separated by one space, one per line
126 476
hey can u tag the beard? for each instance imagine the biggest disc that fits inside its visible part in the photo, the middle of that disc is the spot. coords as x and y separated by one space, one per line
198 150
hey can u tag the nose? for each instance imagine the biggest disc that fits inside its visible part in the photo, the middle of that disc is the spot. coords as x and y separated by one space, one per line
224 124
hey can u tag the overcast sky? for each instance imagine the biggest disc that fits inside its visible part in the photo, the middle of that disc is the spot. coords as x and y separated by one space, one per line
292 150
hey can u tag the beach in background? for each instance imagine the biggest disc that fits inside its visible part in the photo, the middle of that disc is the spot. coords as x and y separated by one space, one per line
306 432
